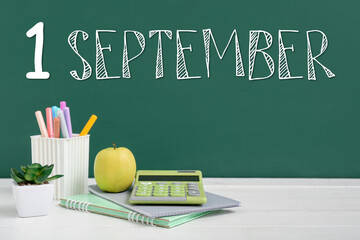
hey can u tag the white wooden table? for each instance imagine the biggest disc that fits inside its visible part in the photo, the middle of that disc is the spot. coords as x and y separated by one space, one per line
271 209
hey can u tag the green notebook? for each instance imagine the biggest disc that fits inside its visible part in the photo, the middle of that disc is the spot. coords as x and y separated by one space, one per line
91 203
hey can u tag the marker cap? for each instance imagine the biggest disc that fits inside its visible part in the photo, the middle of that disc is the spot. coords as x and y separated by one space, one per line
62 105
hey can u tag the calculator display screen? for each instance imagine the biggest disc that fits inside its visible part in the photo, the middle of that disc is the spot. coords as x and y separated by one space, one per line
175 178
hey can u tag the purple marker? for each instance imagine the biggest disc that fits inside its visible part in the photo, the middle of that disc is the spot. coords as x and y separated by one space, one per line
68 120
62 105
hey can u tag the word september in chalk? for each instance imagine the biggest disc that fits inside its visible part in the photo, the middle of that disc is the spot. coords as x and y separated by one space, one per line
208 37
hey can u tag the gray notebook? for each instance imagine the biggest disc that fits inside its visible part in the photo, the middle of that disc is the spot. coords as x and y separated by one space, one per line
214 202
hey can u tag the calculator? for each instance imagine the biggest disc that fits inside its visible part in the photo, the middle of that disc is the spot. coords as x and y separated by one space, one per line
168 187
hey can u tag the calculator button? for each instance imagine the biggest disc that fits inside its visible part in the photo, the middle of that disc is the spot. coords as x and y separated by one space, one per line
160 194
193 193
193 188
177 194
145 183
155 193
161 183
140 190
192 184
177 190
160 190
143 194
176 183
143 190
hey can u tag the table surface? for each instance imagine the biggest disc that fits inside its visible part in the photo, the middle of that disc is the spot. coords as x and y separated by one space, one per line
271 209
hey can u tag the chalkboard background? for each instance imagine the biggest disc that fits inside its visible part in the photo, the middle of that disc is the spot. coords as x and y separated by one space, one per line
224 125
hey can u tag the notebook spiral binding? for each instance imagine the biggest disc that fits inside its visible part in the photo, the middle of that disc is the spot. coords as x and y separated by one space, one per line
71 204
132 216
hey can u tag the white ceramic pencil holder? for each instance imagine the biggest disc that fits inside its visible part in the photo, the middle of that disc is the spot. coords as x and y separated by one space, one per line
70 157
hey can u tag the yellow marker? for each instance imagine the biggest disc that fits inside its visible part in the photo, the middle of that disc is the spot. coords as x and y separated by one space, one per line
88 125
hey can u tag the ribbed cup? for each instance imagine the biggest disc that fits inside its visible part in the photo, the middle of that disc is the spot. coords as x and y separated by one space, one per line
70 157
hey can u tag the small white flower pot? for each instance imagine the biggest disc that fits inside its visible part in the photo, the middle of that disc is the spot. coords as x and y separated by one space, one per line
33 200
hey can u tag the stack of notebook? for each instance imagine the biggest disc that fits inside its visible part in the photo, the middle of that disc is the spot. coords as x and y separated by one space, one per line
117 205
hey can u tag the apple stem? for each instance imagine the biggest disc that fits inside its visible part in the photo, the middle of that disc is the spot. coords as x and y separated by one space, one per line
114 145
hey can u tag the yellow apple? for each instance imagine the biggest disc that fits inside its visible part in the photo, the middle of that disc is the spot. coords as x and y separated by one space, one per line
114 169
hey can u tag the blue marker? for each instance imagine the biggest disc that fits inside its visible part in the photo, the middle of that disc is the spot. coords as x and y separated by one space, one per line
53 108
56 111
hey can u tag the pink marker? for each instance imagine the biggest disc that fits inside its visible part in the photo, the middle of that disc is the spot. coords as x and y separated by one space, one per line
62 105
41 123
49 122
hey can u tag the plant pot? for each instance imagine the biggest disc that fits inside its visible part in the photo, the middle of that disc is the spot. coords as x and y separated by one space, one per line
33 200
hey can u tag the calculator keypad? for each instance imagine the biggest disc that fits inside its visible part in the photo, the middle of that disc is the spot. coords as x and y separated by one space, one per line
165 189
168 187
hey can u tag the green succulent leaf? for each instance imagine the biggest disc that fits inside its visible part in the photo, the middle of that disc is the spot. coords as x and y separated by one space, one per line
44 174
53 177
30 176
50 168
16 178
42 169
32 171
35 165
41 179
24 169
17 174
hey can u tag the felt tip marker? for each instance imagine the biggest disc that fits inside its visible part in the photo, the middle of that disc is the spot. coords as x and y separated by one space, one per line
53 108
66 111
41 123
62 105
49 122
88 125
56 127
63 126
56 110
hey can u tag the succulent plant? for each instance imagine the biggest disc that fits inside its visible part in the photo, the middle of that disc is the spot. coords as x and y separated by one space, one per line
34 174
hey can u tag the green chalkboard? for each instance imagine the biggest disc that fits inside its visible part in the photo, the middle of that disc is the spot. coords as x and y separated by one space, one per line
233 121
